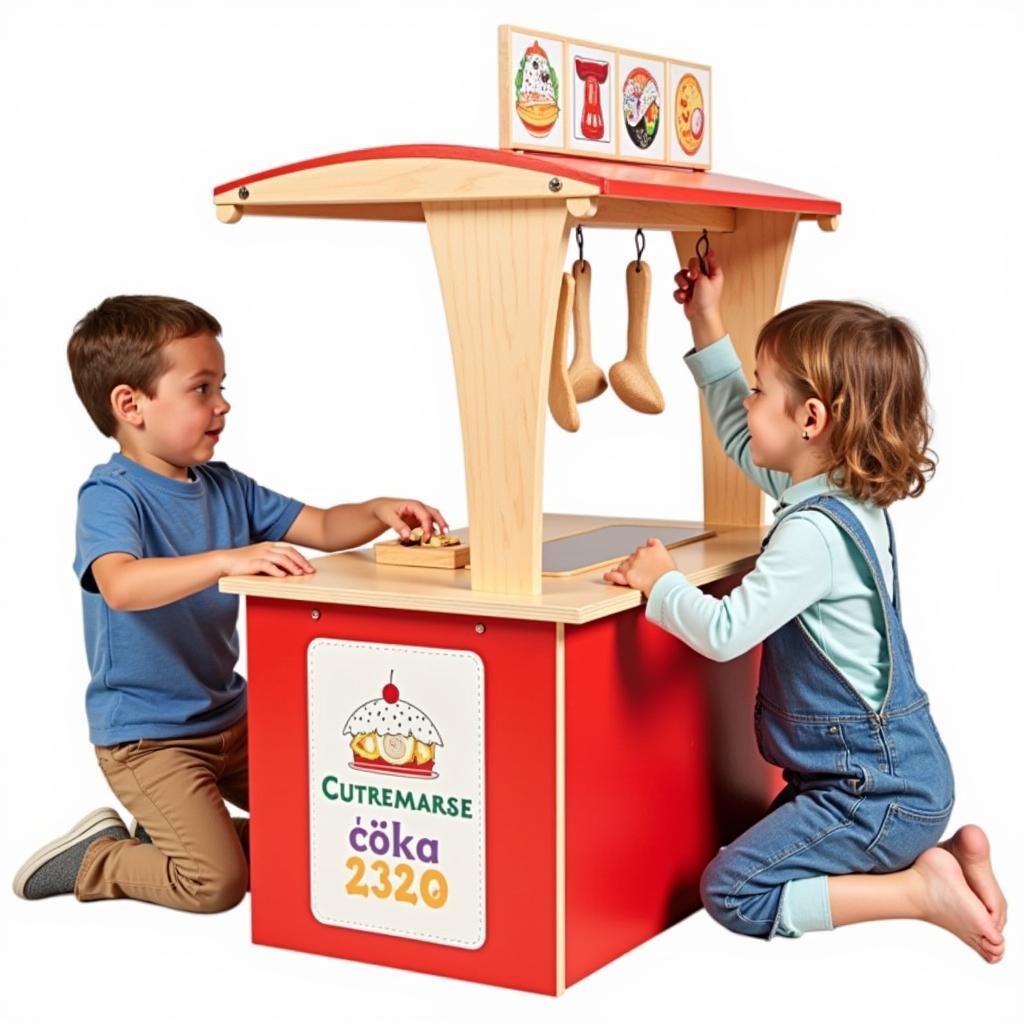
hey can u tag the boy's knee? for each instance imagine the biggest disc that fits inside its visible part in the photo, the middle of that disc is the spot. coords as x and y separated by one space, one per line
222 893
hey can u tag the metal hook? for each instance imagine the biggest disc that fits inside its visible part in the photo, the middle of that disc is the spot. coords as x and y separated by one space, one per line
579 240
641 244
700 255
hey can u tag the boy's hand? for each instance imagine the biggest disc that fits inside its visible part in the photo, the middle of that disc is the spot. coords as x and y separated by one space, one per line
700 298
642 569
275 558
402 513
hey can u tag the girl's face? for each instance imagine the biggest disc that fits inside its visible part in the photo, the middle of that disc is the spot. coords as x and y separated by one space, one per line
775 441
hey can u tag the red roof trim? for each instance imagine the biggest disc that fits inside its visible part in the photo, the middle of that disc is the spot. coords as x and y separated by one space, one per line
613 178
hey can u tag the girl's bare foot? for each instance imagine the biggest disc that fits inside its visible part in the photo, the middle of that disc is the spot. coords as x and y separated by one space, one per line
970 847
947 900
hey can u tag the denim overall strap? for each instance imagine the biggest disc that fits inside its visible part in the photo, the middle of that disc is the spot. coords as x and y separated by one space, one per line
836 510
903 689
895 567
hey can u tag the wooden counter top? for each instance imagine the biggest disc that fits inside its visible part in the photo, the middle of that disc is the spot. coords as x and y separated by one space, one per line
354 577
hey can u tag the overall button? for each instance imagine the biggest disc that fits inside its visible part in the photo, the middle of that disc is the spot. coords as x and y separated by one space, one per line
833 728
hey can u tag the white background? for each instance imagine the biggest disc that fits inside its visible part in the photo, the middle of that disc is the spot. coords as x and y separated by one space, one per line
118 121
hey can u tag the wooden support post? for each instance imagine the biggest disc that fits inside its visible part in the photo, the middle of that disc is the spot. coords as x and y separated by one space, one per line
755 256
500 265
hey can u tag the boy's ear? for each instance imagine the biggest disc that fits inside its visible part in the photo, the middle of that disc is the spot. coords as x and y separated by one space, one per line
124 402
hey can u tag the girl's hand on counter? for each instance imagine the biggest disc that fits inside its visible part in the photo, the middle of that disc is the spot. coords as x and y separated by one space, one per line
642 569
275 558
402 513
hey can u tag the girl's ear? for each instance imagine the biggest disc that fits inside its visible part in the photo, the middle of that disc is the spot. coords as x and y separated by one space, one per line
815 416
125 404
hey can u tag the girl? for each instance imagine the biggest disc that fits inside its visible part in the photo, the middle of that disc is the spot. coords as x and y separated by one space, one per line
836 430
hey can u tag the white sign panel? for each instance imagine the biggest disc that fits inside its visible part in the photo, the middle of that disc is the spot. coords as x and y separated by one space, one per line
396 762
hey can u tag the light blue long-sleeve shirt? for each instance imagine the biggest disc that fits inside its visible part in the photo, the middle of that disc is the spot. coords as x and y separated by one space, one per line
809 569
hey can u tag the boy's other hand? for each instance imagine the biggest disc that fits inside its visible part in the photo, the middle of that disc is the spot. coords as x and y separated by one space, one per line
402 513
701 296
275 558
642 569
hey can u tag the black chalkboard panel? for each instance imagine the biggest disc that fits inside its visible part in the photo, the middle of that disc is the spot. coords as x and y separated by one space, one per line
607 545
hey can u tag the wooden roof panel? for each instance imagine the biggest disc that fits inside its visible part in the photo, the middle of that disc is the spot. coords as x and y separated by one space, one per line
613 178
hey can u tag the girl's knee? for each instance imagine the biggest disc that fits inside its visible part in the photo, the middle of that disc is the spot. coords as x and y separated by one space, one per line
732 905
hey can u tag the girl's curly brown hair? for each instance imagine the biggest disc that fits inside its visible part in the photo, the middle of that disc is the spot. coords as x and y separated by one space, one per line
868 370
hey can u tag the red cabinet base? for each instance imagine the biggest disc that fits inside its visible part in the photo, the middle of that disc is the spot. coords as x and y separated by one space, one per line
617 761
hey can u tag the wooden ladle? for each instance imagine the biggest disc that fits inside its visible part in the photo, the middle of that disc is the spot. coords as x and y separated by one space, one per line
561 400
631 379
587 378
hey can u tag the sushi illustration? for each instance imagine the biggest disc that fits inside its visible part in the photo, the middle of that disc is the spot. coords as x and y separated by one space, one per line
536 91
641 107
392 737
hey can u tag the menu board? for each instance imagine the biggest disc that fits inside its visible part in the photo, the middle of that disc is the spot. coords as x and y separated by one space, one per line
564 95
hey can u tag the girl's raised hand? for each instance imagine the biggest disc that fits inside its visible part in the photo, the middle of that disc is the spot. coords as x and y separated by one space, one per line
699 295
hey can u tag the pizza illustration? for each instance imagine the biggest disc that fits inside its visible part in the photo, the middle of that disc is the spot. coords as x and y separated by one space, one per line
689 114
392 737
641 107
536 91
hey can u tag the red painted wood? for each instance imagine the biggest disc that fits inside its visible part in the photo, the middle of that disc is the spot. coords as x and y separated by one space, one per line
661 769
519 743
615 178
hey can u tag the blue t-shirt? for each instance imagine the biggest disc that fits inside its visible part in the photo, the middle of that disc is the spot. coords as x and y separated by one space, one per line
167 671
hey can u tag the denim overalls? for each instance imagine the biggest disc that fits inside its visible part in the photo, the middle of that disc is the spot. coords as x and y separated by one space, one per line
866 791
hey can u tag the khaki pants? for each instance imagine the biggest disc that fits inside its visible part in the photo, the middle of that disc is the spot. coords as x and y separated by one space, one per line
198 859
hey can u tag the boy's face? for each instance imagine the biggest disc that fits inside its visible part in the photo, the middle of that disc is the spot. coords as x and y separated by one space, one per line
182 421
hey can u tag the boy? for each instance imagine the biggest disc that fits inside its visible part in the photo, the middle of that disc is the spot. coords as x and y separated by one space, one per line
158 525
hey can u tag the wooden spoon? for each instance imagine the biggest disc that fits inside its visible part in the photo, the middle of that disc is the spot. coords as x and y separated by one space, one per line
630 378
587 378
561 400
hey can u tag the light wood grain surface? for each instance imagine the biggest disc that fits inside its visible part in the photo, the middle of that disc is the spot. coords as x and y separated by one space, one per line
353 577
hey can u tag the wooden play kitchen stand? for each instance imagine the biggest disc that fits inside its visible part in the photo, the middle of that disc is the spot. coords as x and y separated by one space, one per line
490 773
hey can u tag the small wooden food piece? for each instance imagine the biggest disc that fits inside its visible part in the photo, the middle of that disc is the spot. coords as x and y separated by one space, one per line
442 551
561 400
437 540
631 379
586 377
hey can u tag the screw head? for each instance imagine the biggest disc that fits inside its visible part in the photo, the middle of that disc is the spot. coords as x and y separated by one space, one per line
315 614
555 184
243 193
480 627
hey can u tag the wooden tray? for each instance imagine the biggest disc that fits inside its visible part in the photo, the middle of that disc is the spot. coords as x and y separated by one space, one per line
393 552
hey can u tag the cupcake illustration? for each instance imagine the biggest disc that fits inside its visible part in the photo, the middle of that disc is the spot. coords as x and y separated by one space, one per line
392 736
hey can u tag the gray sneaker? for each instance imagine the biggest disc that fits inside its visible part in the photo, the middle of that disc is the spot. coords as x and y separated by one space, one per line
136 831
51 870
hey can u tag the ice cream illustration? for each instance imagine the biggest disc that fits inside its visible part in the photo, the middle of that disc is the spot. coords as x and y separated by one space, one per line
536 87
393 737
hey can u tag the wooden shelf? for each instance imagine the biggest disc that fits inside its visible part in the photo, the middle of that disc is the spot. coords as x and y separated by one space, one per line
354 577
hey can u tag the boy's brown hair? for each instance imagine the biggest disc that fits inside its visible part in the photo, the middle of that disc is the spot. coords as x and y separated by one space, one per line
121 342
868 370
